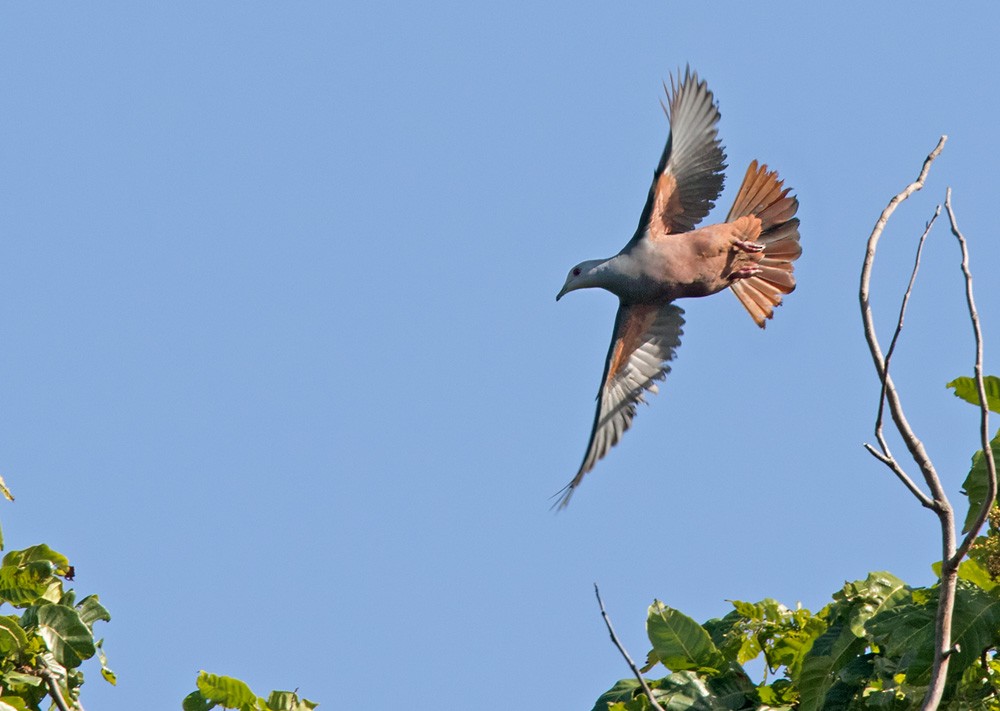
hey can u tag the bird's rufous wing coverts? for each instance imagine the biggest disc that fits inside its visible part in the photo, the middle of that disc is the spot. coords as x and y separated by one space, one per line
689 178
645 337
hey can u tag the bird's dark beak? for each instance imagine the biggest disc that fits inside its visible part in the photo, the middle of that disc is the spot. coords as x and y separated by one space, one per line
560 294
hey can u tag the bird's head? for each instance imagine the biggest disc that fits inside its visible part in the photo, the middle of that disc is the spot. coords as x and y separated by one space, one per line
582 276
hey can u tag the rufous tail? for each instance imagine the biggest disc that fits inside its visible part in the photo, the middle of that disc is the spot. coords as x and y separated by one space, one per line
762 196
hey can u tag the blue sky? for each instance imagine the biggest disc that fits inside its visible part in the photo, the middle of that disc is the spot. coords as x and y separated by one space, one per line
284 376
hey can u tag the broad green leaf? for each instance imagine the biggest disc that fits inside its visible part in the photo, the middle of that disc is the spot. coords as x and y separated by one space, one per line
687 691
288 701
65 634
781 693
974 627
91 610
620 692
38 553
225 690
970 571
851 680
680 643
732 689
905 633
975 484
834 649
23 585
13 639
13 677
879 591
196 702
12 703
966 389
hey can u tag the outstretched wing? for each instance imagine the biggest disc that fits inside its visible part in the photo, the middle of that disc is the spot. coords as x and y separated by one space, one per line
646 336
689 178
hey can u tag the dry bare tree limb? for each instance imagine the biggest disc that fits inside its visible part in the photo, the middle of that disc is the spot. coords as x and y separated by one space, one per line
624 653
937 499
984 410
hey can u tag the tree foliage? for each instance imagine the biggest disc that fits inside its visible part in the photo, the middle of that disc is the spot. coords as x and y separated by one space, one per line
871 647
46 635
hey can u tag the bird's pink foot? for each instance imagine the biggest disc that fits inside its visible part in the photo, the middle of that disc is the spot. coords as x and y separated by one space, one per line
747 246
744 273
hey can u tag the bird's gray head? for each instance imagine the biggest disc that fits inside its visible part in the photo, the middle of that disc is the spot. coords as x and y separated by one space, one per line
583 276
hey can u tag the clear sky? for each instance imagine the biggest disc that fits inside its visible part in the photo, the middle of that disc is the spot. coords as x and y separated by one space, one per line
284 376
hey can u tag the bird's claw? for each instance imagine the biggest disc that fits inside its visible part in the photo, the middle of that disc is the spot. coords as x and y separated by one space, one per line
744 273
749 247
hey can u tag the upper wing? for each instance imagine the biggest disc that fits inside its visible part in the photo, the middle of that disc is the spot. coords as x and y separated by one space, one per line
645 337
689 178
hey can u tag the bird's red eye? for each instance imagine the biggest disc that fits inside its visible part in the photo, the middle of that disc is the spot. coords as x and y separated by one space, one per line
576 271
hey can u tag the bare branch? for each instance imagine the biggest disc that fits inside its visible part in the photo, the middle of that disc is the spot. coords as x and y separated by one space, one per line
938 500
890 461
984 420
621 648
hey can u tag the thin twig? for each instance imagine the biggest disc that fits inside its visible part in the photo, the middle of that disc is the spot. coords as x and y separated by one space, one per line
889 393
984 410
899 322
887 458
621 648
54 691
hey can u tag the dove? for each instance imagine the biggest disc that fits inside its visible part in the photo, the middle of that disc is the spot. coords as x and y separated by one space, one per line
751 254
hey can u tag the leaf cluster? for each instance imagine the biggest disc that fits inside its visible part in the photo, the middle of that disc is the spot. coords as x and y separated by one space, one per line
42 647
230 693
871 647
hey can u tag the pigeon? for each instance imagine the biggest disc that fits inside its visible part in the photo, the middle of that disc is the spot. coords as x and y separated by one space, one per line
751 254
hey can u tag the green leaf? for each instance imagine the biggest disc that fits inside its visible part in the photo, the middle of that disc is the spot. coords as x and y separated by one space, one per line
289 701
680 643
687 691
12 637
13 677
109 676
24 585
966 389
906 634
975 484
12 703
91 610
40 552
65 634
196 702
868 597
620 692
834 649
969 570
227 691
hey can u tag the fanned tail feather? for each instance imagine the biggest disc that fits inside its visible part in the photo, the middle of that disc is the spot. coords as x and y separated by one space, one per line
763 196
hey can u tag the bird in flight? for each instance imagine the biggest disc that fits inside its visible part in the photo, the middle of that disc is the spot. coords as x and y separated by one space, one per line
751 253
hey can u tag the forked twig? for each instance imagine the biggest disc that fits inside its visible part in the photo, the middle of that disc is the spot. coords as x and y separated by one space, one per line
888 388
624 653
